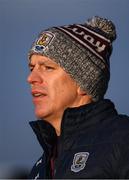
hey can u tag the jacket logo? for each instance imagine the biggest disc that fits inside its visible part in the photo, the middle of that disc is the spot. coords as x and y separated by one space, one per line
79 161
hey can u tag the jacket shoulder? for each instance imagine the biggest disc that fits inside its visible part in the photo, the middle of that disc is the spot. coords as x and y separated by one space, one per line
116 129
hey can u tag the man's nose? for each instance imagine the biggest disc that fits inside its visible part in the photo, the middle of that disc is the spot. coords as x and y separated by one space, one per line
34 77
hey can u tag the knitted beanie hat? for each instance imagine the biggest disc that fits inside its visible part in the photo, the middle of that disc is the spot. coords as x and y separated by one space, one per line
82 50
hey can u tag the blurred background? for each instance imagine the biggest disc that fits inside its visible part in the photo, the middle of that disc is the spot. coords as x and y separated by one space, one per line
20 23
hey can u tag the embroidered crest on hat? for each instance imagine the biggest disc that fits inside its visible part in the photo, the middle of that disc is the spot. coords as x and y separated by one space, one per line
44 40
79 161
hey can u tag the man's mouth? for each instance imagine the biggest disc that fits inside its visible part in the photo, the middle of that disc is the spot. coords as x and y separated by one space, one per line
38 94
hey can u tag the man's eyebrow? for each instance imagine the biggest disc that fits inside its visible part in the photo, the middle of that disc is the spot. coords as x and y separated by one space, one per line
45 62
30 64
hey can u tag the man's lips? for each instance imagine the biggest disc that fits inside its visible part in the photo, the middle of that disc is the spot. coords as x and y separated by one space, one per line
37 93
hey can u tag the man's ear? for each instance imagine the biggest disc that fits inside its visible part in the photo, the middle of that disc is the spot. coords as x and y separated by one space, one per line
80 91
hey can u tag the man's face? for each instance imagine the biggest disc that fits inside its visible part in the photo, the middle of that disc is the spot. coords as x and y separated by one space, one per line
53 90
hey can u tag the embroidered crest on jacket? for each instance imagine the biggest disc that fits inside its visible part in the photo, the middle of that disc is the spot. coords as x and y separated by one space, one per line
79 161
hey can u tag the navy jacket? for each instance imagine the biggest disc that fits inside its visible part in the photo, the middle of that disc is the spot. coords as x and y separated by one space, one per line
94 143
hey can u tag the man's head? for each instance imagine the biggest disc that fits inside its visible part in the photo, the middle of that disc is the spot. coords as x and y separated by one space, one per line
70 66
82 50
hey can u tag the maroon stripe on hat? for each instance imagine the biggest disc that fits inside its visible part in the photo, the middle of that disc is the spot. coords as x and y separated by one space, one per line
96 43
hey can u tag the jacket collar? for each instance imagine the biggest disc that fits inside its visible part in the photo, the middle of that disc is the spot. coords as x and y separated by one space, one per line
83 117
45 133
74 121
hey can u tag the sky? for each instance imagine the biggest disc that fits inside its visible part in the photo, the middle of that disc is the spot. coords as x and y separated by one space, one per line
20 23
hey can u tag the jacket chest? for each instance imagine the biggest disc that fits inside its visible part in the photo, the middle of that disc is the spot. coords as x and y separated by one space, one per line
92 161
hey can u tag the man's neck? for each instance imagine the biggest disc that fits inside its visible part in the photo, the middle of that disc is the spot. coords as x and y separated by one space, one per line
56 121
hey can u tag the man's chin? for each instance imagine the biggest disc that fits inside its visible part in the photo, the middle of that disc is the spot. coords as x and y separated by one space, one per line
40 114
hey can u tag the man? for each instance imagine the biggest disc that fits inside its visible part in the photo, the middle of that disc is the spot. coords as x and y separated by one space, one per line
81 133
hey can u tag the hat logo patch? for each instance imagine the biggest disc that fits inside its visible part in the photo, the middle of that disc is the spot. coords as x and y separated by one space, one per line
79 161
44 40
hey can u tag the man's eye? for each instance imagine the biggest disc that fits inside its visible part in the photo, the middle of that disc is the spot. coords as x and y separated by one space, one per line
49 68
31 69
